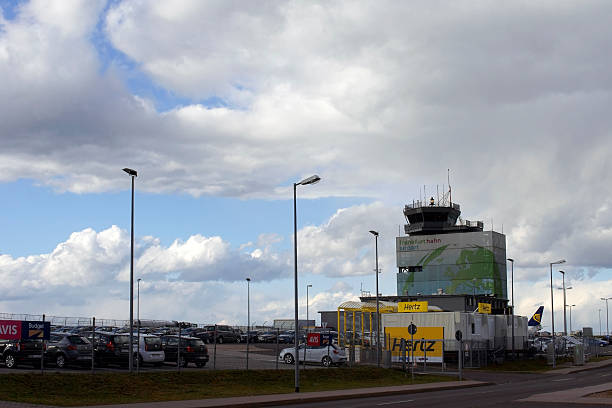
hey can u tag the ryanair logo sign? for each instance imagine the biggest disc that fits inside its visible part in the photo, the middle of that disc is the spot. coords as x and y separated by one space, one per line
537 317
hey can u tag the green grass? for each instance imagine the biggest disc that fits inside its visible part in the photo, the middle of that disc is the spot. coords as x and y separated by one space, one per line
536 364
116 388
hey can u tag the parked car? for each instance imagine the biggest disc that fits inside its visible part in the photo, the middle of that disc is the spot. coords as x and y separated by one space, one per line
223 334
193 350
150 350
112 348
202 334
266 337
66 348
324 355
252 336
286 336
15 352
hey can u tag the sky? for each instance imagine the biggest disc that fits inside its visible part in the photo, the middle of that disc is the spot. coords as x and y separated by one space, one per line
222 105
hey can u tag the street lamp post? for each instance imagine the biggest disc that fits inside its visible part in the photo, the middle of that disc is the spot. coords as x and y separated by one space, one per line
599 311
133 174
564 306
375 233
552 311
607 321
248 331
138 318
309 180
570 307
512 287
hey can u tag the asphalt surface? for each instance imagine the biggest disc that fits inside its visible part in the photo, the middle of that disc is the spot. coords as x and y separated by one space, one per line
508 389
228 356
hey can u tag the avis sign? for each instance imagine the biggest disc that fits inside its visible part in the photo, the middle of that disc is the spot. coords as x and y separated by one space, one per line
24 329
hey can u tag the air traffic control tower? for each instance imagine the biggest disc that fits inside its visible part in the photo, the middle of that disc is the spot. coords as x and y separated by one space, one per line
439 256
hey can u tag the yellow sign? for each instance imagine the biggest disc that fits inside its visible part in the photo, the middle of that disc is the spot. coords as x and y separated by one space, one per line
412 307
484 308
427 342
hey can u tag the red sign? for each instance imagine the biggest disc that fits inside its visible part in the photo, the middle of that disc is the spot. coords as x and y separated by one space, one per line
314 339
10 329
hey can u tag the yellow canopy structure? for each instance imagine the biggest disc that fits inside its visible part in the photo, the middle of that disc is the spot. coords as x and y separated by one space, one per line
358 311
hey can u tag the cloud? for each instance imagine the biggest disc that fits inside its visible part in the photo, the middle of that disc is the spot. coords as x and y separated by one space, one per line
377 98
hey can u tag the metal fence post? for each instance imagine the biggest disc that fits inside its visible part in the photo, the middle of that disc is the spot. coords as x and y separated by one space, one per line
277 334
93 342
178 349
412 359
460 358
403 354
42 349
215 349
424 345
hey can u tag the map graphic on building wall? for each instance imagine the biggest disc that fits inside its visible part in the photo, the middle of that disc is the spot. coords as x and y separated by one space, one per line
457 264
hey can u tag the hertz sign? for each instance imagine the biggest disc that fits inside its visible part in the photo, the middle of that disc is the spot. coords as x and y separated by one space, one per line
24 329
428 343
412 307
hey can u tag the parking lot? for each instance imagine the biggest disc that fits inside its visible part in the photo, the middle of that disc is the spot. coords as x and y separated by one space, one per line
227 356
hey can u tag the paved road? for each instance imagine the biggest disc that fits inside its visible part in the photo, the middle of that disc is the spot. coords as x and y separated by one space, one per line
508 388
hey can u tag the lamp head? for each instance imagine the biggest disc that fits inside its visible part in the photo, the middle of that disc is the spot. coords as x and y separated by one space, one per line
511 260
131 172
558 262
309 180
309 286
375 233
248 279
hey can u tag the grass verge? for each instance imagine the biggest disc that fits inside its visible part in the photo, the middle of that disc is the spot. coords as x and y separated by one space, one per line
535 364
65 389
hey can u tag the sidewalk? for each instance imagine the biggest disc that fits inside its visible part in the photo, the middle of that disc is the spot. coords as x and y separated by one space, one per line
573 396
577 369
296 398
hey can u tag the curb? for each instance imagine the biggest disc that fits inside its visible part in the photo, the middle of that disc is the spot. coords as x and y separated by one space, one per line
297 398
353 396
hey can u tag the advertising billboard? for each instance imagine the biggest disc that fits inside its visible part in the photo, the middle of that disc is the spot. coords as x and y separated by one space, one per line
458 264
24 329
428 343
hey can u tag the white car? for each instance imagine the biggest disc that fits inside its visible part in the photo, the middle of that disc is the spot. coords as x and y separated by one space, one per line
324 355
150 350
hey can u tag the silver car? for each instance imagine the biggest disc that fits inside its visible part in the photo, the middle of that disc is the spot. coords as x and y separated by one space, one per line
324 355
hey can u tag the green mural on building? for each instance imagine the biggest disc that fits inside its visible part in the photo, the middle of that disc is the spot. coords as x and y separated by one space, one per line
453 263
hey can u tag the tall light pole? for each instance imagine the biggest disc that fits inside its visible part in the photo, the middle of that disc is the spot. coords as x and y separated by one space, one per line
512 287
607 321
564 306
309 180
552 311
599 310
570 306
248 333
375 233
133 174
138 318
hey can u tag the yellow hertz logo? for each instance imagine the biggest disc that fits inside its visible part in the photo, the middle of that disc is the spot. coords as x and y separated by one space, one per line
537 317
